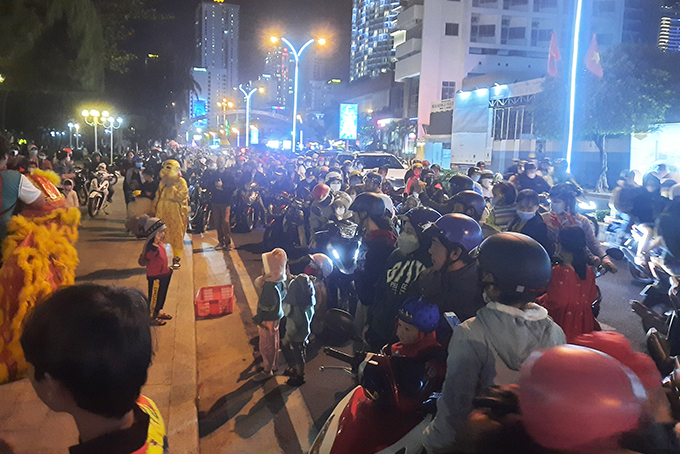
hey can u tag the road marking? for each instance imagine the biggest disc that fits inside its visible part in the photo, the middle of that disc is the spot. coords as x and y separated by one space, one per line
246 283
300 417
606 327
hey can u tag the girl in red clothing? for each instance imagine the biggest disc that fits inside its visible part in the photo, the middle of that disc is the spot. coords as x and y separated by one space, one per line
572 288
158 273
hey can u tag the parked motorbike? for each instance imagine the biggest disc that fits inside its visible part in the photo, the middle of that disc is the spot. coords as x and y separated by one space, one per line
199 218
98 195
244 210
386 413
287 227
80 185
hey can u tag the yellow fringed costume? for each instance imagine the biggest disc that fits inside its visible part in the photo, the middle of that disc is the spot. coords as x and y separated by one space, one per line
38 255
172 206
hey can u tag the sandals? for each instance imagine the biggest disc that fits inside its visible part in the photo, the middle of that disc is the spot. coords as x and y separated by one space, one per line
164 316
158 322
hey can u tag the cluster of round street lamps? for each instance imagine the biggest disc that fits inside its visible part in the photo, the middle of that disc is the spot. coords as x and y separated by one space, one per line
94 118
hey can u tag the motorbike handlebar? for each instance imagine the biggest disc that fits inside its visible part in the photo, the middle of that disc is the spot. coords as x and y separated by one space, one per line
340 355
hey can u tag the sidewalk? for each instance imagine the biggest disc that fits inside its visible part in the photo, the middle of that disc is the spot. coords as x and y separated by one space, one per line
108 256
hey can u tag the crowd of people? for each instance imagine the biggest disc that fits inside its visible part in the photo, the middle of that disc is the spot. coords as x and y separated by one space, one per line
476 275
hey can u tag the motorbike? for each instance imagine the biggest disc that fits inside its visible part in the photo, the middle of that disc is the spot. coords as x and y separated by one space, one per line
386 413
287 227
98 195
244 210
199 218
80 184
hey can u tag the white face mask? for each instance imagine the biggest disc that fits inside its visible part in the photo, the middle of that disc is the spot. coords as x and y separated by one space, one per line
335 187
486 183
526 215
558 208
475 177
407 243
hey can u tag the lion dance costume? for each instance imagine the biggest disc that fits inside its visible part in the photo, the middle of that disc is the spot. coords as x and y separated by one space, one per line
172 207
38 256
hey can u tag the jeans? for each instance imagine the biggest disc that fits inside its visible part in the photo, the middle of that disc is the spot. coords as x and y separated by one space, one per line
269 344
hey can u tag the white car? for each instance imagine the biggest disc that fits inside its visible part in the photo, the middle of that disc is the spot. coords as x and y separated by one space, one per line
374 160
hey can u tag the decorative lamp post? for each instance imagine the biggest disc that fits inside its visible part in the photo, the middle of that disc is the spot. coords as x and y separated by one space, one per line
297 54
113 124
97 119
248 95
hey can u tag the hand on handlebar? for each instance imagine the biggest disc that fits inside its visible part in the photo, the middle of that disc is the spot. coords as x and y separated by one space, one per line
608 265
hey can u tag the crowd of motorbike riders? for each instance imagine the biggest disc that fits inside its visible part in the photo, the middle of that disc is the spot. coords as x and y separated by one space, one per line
509 256
483 277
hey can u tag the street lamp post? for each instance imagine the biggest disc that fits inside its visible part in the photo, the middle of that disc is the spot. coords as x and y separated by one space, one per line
297 54
77 126
224 104
113 124
238 136
97 120
248 95
70 134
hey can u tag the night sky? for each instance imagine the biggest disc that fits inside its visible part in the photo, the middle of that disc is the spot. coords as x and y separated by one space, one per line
297 20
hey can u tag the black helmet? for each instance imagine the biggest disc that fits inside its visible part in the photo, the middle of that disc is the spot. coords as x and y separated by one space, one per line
519 265
470 199
370 203
567 192
374 178
421 217
459 183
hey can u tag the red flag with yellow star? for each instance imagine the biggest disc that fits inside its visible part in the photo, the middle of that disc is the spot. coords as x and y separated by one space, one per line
553 55
593 63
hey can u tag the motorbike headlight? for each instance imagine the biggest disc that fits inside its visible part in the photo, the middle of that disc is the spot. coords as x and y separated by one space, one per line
335 254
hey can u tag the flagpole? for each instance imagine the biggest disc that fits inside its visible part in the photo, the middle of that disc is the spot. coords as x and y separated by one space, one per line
572 88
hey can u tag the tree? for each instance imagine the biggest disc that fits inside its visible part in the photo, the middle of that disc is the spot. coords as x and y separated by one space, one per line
635 93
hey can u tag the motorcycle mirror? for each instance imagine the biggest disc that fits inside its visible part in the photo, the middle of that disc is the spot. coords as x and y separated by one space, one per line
615 253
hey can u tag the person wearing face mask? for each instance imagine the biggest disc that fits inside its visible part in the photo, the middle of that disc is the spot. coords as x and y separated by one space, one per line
377 243
489 349
529 222
486 182
304 188
563 213
404 266
529 179
334 181
451 282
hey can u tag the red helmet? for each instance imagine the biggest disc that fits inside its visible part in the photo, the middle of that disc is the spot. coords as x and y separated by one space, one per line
575 397
320 192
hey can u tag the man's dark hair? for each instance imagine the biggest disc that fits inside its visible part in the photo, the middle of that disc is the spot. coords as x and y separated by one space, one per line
528 195
507 190
4 147
96 341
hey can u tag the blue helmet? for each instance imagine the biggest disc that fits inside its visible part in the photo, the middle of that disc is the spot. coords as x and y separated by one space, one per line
417 311
457 229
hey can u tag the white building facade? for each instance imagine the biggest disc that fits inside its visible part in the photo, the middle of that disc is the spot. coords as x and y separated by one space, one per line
216 71
441 43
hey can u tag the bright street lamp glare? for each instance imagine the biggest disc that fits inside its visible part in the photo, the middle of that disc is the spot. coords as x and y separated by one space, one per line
119 119
94 113
110 119
274 39
321 41
261 89
70 125
230 104
234 130
85 113
105 114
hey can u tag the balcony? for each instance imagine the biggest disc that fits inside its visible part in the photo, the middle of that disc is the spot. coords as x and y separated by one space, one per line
409 48
410 17
408 67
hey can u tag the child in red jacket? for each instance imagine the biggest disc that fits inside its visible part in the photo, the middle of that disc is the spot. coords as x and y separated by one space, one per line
158 274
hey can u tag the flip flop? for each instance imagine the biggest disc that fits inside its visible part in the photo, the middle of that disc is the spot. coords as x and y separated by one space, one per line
158 322
164 316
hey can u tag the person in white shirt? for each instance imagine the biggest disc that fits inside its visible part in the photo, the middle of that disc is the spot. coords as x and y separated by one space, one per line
70 194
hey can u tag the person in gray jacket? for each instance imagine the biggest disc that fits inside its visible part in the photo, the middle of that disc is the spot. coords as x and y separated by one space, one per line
490 348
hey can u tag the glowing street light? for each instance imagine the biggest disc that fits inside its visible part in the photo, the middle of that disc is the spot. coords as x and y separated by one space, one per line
297 54
248 95
238 136
94 118
113 124
224 105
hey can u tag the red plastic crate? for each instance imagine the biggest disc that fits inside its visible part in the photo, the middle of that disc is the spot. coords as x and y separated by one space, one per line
214 301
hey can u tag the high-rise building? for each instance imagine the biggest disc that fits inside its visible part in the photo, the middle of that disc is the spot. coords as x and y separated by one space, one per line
669 27
372 50
441 43
279 66
216 71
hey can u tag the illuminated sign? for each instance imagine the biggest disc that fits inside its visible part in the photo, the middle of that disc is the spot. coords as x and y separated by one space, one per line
349 121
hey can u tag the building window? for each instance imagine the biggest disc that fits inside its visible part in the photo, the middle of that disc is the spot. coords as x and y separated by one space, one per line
448 90
485 3
451 29
545 6
540 36
512 123
517 5
482 33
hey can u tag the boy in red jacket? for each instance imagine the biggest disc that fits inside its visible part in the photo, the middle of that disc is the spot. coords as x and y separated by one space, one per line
158 274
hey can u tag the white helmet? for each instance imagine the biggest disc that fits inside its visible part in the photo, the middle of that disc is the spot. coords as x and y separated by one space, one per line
333 175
